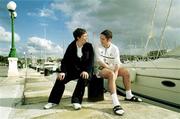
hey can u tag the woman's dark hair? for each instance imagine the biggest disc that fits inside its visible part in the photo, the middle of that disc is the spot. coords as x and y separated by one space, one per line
78 33
107 33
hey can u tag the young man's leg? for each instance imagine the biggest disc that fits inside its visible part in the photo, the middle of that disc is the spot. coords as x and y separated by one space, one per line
127 84
126 81
110 76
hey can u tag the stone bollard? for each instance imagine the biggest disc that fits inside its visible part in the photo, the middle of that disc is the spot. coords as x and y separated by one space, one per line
46 72
38 69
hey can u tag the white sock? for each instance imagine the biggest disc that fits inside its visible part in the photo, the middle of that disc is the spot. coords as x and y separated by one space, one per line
115 100
129 94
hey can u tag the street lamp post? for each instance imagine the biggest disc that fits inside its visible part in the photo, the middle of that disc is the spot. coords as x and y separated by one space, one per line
13 71
25 58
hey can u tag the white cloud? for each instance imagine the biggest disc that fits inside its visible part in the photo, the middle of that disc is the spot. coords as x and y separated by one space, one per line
175 29
41 46
129 20
77 19
4 51
5 36
43 43
62 7
48 13
79 15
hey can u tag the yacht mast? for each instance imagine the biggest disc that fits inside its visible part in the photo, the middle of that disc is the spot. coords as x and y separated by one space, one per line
163 30
151 34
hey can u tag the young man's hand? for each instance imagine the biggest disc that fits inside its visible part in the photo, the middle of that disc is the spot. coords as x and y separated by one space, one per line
84 75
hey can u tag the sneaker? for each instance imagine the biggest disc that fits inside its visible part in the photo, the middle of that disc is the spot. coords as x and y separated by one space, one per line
49 105
76 106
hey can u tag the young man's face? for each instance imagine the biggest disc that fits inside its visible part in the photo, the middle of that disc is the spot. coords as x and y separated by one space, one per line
83 39
104 41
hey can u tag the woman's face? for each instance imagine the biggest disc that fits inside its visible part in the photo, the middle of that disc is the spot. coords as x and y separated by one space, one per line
83 39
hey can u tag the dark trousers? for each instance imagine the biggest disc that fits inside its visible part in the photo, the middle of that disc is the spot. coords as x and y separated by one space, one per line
59 86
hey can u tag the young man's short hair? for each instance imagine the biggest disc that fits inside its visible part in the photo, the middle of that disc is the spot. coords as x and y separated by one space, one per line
107 33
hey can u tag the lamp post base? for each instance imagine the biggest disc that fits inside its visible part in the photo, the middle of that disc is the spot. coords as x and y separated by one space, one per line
12 52
13 71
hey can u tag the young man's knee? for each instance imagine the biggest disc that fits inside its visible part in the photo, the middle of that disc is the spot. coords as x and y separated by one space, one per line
110 74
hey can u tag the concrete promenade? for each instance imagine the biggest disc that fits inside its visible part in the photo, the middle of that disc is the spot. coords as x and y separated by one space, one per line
23 97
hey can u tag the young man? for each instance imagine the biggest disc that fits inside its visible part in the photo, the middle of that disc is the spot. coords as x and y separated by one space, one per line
109 65
76 64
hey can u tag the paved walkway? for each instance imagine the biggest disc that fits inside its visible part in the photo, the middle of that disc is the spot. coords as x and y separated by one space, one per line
13 90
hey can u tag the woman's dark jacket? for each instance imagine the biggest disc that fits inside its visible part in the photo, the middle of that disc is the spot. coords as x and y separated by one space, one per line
71 63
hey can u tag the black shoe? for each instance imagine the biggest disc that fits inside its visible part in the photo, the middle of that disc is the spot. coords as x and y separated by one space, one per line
118 110
134 99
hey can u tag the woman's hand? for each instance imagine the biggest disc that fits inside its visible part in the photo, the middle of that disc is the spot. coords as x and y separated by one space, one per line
84 75
61 76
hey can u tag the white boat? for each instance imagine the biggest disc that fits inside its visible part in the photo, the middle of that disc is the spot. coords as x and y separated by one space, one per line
157 80
51 66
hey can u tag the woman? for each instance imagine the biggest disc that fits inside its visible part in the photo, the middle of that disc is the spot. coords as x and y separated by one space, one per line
76 64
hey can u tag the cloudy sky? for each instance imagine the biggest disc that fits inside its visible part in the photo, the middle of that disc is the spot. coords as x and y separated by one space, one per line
44 27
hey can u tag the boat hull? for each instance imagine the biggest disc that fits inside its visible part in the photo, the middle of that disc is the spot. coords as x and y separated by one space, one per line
153 88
